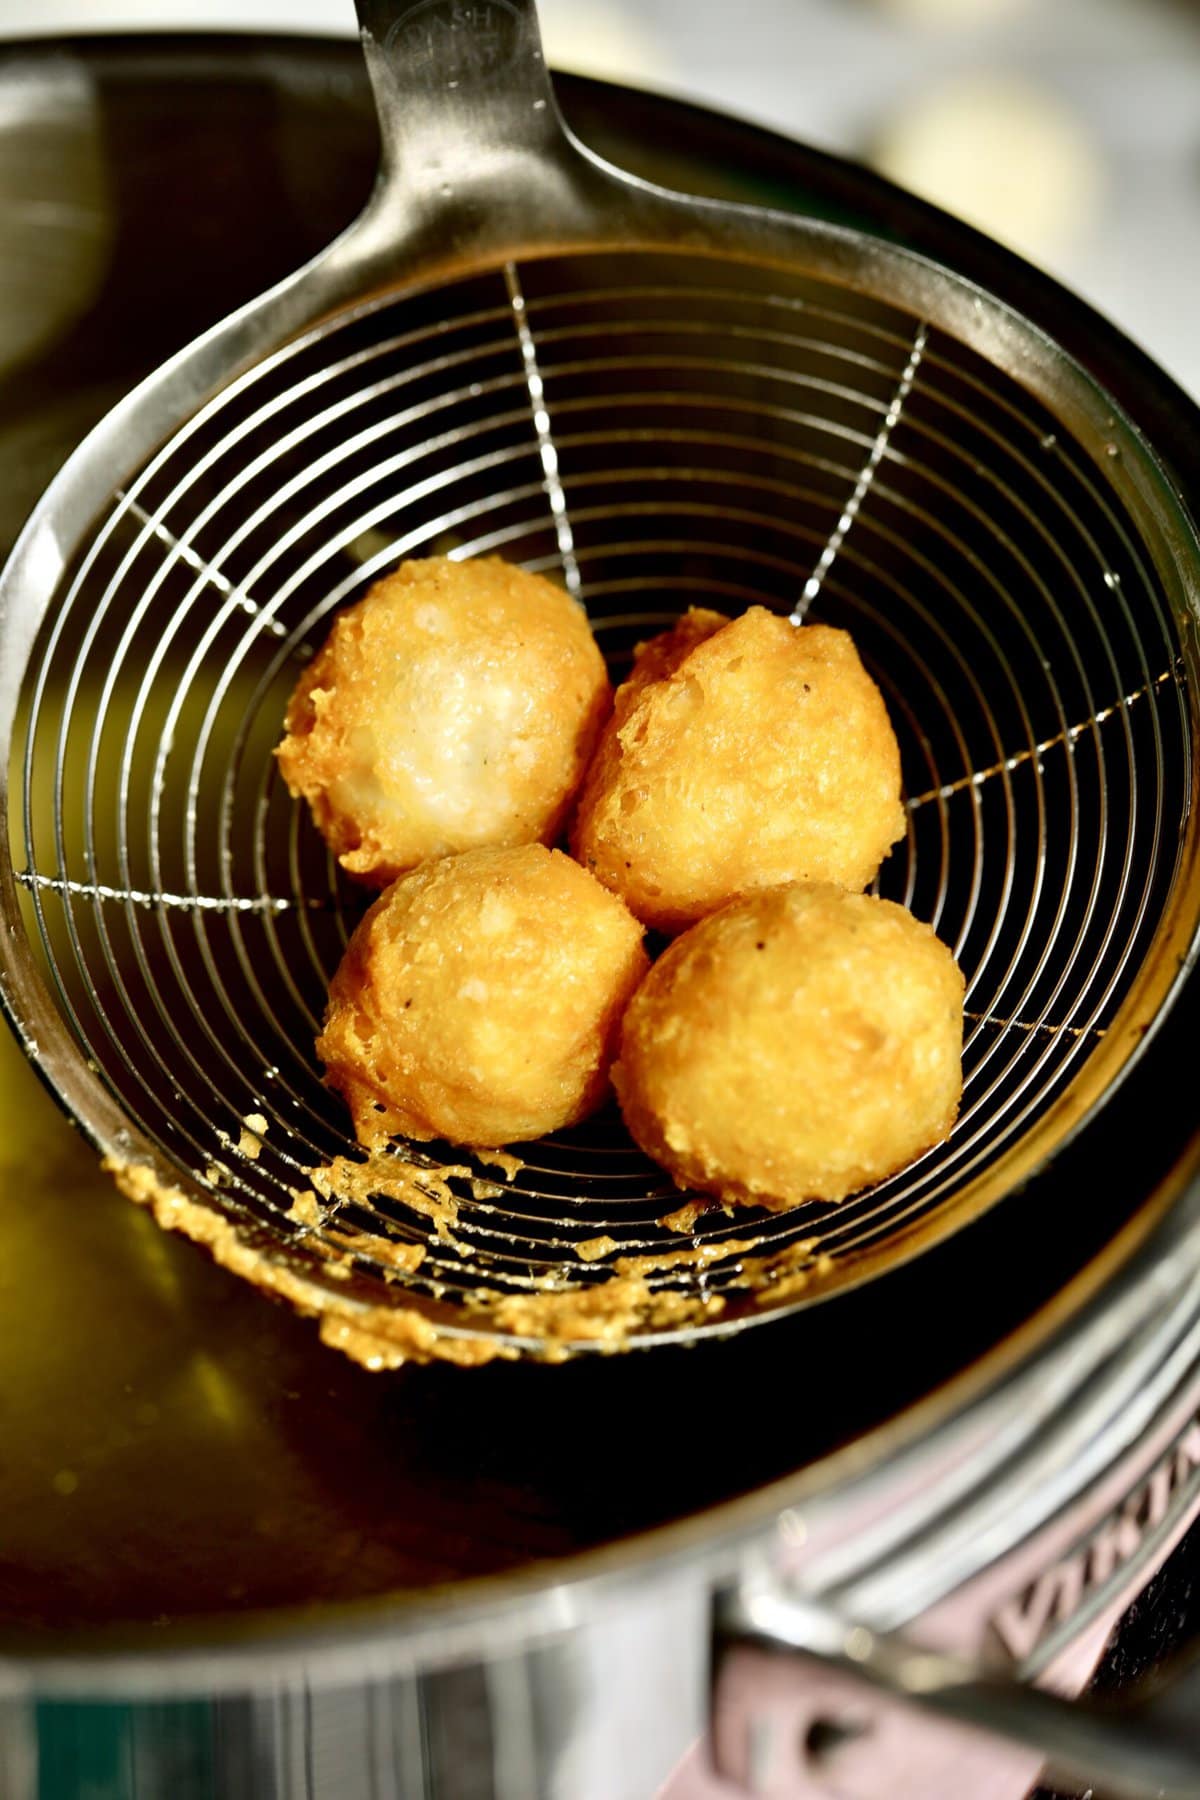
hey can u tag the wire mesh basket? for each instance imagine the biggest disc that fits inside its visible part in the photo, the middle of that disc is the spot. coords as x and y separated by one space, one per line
657 429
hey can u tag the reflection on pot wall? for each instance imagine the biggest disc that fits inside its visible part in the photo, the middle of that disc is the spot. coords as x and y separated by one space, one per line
1069 131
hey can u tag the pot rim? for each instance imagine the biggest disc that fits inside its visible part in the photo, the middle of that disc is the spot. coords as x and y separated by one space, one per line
1137 1271
391 1632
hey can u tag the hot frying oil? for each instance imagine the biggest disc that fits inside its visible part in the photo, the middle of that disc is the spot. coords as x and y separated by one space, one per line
172 1443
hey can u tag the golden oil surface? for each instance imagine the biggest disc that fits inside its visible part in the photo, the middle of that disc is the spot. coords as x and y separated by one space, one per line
172 1443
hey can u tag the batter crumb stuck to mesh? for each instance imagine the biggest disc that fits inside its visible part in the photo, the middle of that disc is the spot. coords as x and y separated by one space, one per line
254 1130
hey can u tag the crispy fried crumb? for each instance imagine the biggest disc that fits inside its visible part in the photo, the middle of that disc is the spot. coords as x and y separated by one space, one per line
254 1130
593 1249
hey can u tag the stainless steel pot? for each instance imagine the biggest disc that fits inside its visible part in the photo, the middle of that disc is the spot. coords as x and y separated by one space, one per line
989 1452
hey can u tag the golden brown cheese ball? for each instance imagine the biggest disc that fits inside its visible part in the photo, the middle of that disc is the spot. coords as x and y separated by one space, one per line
796 1045
455 705
479 999
739 755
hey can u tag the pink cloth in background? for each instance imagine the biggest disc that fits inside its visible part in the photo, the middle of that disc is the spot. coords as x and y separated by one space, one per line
907 1755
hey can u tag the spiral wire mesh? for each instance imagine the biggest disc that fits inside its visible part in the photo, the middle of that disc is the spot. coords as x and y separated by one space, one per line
654 430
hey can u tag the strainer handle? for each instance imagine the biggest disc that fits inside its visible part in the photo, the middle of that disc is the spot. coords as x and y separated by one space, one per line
477 162
466 109
792 1681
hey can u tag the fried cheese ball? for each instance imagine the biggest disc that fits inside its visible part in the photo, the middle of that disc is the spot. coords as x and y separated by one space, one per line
739 755
455 705
479 999
795 1045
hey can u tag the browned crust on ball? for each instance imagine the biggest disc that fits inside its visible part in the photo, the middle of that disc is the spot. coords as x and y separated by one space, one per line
660 656
798 1044
455 705
479 999
761 754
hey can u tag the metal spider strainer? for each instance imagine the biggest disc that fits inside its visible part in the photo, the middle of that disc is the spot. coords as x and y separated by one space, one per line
663 401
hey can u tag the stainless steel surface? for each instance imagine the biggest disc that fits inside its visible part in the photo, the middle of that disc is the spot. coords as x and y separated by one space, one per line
468 368
1127 1752
1034 1451
864 1603
1112 83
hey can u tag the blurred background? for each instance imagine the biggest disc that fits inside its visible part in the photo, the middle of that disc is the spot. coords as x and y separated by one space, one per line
1070 129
